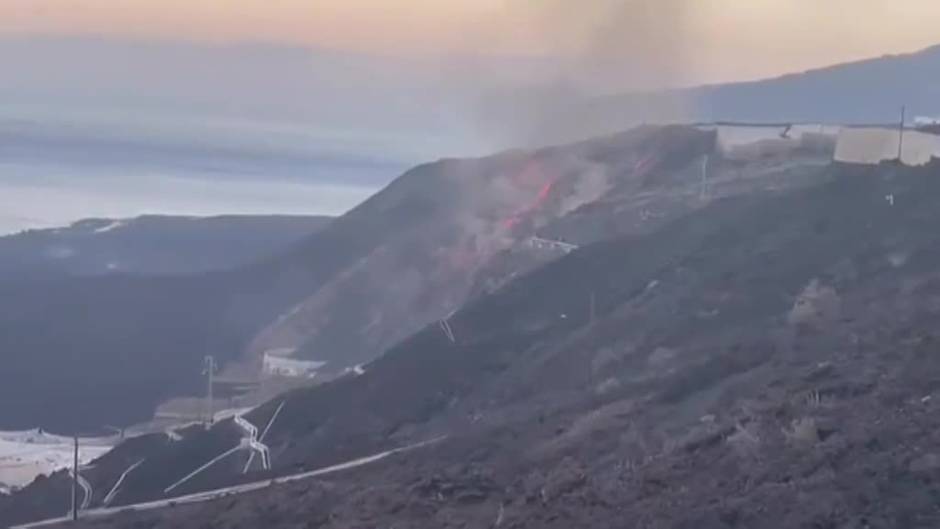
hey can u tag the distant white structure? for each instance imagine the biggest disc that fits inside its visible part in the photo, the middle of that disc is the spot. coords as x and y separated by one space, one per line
547 244
871 146
277 362
924 121
847 144
751 142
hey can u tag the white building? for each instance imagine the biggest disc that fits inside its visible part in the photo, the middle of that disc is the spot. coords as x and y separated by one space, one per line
753 142
277 362
871 146
924 121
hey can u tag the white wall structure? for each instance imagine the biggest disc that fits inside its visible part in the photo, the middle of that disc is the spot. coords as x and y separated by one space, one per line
539 243
749 142
871 146
734 141
282 366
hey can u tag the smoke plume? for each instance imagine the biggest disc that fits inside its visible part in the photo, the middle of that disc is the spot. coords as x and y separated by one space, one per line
614 46
608 63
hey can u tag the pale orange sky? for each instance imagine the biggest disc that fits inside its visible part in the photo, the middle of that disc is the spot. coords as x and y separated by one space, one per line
725 39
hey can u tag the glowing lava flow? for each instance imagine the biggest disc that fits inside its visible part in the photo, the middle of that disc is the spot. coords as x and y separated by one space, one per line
540 199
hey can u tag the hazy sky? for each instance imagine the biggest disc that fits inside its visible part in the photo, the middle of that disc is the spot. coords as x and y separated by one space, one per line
733 39
120 107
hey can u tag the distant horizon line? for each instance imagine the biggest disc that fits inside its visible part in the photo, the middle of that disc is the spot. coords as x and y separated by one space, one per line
411 58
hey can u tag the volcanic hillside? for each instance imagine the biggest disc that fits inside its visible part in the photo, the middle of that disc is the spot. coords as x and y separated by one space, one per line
765 362
403 396
408 256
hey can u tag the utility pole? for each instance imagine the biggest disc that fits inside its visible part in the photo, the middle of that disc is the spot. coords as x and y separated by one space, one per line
704 192
901 135
209 370
75 482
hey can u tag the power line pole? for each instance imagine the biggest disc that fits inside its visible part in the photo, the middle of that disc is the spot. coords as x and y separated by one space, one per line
704 191
209 371
75 482
901 135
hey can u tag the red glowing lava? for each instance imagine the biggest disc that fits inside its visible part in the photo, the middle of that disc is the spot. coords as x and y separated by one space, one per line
513 220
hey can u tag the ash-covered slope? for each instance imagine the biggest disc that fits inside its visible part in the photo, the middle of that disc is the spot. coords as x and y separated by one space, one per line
119 345
150 245
764 362
410 393
472 212
648 194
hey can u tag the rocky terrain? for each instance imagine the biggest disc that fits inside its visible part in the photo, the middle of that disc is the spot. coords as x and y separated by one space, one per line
469 215
812 384
408 256
691 303
440 235
764 362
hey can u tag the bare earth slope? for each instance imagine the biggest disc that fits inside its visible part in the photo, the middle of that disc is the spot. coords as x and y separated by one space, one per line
408 256
763 363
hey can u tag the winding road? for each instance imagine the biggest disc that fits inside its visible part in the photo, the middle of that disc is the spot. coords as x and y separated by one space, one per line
201 497
86 490
117 485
